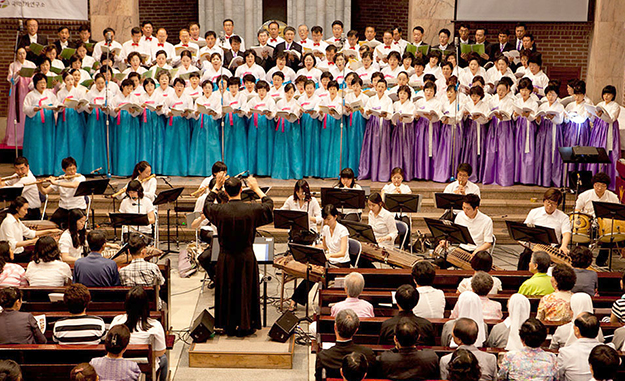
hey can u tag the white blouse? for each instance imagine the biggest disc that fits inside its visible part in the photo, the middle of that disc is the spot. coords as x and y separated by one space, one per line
333 242
383 226
139 206
66 245
311 207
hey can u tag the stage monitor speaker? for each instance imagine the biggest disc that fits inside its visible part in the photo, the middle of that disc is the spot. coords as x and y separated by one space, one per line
283 327
203 327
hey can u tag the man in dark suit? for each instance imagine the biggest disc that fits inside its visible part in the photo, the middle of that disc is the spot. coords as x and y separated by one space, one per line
84 36
235 51
504 45
407 298
405 361
293 60
32 26
63 42
480 38
345 326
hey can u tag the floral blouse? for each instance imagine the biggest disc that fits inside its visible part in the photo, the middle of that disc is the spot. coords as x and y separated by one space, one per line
528 364
555 307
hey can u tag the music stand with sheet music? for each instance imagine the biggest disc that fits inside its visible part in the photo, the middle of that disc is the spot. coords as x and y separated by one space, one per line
531 233
360 231
309 256
404 203
612 211
129 219
450 232
90 188
580 155
294 220
166 197
250 195
449 201
343 198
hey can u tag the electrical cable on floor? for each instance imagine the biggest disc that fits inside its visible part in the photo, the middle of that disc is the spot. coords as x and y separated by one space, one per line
187 291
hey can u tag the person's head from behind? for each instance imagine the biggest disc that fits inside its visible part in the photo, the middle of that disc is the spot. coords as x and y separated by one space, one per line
96 240
233 187
137 309
46 250
354 367
83 372
540 262
136 245
482 261
5 254
465 331
406 333
604 362
76 298
586 325
354 284
346 324
463 366
563 277
581 257
10 298
406 297
10 371
423 273
533 333
117 339
482 283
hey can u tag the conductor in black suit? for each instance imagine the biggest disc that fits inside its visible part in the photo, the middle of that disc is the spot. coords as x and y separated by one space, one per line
293 60
237 290
32 27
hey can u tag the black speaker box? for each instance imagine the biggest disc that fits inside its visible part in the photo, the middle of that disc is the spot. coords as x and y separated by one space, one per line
283 327
203 327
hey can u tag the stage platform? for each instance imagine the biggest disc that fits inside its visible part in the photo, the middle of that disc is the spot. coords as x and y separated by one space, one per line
255 351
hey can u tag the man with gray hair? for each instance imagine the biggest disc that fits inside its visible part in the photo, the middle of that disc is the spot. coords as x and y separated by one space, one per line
329 360
354 284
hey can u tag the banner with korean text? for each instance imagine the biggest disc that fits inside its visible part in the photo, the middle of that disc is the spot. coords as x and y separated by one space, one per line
45 9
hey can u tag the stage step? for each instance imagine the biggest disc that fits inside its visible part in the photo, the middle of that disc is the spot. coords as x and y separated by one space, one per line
255 351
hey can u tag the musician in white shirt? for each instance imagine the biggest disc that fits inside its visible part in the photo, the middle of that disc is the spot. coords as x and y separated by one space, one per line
480 225
66 186
72 242
382 221
462 185
548 216
600 192
24 176
303 200
135 202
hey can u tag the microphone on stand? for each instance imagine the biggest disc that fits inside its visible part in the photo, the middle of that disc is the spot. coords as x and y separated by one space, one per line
20 25
342 42
222 37
109 37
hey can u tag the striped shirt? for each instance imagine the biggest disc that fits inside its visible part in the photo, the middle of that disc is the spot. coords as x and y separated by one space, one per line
80 329
13 275
618 308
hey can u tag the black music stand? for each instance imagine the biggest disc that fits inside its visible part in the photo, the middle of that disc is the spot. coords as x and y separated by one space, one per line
166 197
580 155
309 256
10 193
450 232
448 201
404 203
612 211
294 220
129 219
531 233
250 195
90 188
343 198
360 231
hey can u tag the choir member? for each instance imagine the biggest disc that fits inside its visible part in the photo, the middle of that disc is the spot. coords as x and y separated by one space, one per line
17 93
96 135
75 63
309 70
194 34
70 127
161 44
311 130
108 44
177 134
235 51
403 135
432 66
366 71
426 131
261 110
407 60
292 49
355 102
450 136
524 115
134 45
289 73
193 90
497 71
499 142
186 44
393 69
214 69
375 159
536 75
228 26
205 139
235 144
210 48
126 135
160 57
152 125
39 126
31 37
548 162
250 66
577 129
605 130
164 90
287 150
338 70
333 149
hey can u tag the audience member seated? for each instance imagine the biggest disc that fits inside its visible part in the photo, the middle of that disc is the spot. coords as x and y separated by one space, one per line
565 334
79 328
506 334
94 270
83 372
431 304
405 361
407 298
17 327
619 339
481 261
530 362
46 269
482 284
464 366
618 307
140 272
330 360
604 362
587 280
113 366
540 283
469 306
354 284
573 359
11 274
464 335
556 307
142 327
10 371
354 367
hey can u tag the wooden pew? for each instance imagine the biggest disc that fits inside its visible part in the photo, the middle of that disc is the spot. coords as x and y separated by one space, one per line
448 280
52 362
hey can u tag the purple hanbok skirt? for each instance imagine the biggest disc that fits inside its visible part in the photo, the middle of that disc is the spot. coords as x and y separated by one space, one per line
375 155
